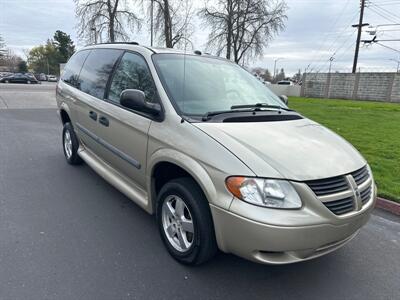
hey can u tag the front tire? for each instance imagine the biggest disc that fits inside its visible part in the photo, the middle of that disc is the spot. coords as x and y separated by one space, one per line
70 145
185 222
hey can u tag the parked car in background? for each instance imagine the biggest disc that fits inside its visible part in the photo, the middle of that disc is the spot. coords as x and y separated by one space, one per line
285 82
52 78
41 77
5 74
19 78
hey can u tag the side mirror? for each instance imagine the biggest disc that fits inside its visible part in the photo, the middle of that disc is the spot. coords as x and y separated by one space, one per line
135 99
284 99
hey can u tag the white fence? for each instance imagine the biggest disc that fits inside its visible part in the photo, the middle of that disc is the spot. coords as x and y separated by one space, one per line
287 90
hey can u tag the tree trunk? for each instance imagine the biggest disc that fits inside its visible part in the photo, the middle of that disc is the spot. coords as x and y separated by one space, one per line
167 25
229 29
111 32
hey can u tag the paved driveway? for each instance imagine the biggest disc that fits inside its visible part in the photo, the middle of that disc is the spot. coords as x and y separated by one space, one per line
14 95
67 234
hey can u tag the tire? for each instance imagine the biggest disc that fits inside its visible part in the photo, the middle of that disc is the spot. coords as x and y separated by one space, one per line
198 247
6 81
28 82
70 145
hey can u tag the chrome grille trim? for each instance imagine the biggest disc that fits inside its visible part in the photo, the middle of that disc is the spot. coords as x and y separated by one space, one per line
328 186
361 175
344 194
366 194
341 206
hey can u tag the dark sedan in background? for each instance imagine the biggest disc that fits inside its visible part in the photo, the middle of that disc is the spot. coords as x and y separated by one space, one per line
19 78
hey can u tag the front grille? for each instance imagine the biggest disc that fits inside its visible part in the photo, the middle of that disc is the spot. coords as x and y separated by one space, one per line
328 186
327 190
340 207
360 175
366 194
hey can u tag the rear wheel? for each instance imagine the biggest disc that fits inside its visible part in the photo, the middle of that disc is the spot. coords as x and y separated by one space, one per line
185 222
28 82
70 145
6 81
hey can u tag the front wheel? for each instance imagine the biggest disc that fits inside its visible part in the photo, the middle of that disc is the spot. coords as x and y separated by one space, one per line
185 222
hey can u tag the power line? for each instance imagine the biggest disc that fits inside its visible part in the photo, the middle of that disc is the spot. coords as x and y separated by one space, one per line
331 46
386 11
381 15
382 10
339 16
387 47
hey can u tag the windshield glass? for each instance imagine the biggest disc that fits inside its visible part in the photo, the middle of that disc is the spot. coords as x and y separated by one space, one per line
199 84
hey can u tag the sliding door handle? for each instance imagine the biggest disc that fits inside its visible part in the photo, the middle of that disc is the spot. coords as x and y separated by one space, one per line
93 115
104 121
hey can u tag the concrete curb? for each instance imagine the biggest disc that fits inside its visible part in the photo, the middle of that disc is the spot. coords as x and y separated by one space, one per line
389 206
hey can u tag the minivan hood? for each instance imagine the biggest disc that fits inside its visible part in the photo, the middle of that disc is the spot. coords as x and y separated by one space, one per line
297 149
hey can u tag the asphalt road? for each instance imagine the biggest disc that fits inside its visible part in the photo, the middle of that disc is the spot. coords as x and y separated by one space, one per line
67 234
14 95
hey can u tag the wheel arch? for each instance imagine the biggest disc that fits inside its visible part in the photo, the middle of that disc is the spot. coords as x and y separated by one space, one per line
64 113
168 164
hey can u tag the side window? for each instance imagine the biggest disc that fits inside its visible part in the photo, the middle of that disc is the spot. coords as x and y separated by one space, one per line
132 73
71 72
96 71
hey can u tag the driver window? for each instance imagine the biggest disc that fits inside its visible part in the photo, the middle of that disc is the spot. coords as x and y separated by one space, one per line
132 73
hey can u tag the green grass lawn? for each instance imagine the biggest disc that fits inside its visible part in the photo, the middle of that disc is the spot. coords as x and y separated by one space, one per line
372 127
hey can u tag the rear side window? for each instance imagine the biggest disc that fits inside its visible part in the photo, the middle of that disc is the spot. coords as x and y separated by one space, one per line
73 67
96 71
132 73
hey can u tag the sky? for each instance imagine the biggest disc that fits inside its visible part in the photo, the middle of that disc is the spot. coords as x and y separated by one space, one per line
315 31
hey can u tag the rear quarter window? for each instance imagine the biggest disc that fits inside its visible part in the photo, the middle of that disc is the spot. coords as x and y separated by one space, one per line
73 68
96 71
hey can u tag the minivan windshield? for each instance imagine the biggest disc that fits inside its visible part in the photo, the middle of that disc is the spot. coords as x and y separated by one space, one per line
199 85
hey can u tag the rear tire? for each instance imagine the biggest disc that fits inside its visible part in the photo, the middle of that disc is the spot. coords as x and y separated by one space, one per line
188 232
70 145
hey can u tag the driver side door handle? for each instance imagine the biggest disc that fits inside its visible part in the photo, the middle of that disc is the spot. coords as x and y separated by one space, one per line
93 115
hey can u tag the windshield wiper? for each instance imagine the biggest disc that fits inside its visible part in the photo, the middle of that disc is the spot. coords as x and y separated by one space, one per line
259 105
242 108
210 114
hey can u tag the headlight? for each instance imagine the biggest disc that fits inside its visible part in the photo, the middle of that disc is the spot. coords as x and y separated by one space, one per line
264 192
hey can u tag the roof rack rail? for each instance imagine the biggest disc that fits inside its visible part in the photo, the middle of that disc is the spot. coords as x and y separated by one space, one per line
112 43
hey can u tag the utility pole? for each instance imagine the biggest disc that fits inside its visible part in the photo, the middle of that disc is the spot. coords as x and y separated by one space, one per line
275 61
151 22
360 25
93 29
330 64
398 64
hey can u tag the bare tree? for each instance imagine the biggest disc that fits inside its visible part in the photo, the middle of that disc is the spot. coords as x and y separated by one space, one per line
105 17
3 49
243 28
173 21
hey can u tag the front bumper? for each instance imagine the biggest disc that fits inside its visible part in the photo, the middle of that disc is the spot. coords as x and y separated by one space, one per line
275 236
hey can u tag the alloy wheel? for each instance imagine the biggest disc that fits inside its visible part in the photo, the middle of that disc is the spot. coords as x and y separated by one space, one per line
177 223
68 144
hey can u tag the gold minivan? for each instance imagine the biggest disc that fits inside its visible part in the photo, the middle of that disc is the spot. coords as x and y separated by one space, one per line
221 161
